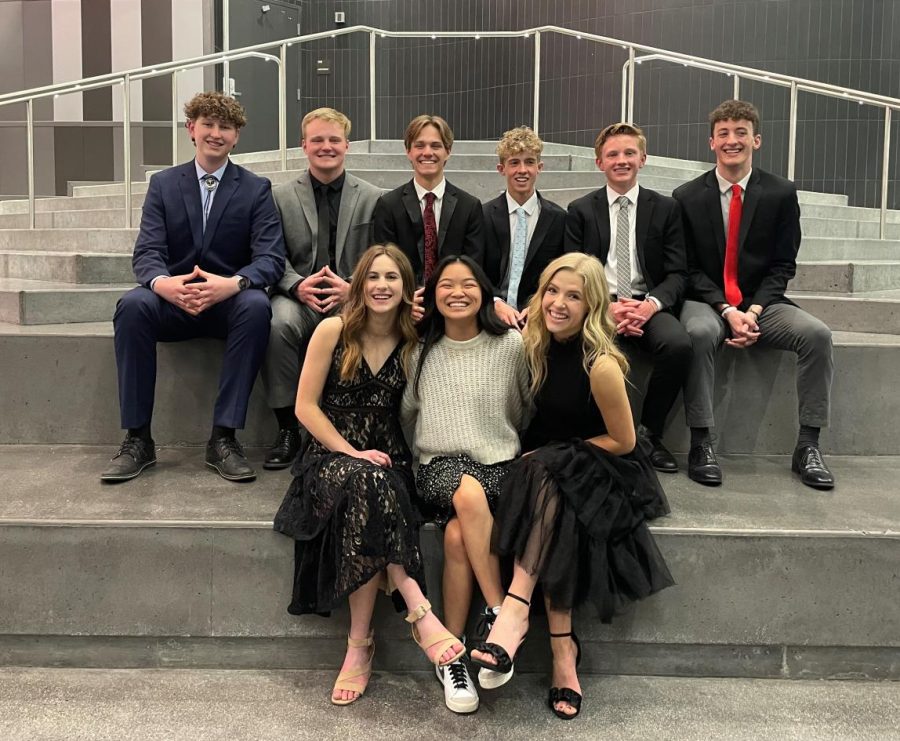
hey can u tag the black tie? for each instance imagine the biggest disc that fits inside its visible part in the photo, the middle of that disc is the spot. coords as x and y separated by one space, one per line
323 236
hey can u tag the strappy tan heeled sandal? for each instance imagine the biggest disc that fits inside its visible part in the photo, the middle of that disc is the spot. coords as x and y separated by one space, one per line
350 680
441 641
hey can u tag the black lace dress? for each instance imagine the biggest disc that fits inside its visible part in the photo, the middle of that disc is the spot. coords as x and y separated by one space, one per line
574 514
351 518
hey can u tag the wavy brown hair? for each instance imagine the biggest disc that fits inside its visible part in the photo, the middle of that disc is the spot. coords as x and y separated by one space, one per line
355 312
215 105
598 332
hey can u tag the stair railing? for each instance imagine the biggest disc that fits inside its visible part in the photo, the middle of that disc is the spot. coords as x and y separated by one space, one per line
629 70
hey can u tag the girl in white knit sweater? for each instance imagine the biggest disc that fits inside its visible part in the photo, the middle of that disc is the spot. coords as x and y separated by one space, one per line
467 400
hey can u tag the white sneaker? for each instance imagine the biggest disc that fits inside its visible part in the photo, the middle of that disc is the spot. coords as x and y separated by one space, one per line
459 689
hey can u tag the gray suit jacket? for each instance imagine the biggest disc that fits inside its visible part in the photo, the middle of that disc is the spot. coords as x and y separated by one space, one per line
296 204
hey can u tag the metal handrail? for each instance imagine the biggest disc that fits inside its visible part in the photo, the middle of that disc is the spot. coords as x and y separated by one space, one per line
739 72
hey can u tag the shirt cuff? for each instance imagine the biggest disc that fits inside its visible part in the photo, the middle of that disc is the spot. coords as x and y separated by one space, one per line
659 306
153 281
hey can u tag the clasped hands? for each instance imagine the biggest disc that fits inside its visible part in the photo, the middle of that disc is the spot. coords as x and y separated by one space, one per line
322 291
196 291
744 329
630 315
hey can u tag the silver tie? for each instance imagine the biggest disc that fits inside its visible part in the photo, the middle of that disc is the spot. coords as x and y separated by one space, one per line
210 183
623 249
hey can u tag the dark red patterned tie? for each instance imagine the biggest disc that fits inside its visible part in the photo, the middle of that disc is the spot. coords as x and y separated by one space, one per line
732 289
431 236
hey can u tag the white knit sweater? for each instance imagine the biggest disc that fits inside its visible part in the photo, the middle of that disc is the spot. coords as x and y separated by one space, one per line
473 397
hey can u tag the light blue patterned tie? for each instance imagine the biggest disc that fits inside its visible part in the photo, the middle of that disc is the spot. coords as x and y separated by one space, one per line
517 258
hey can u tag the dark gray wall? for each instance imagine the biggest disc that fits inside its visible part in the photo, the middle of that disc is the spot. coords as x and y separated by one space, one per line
484 86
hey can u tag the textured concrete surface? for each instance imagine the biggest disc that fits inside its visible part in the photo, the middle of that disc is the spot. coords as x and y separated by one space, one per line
138 705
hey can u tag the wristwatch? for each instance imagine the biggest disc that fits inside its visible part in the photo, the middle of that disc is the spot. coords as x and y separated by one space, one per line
243 283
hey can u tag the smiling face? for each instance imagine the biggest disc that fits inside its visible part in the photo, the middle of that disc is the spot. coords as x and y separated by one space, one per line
521 171
428 156
620 160
214 140
734 143
457 295
326 147
384 285
563 304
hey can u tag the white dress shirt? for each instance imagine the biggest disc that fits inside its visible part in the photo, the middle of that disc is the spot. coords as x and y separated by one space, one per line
438 191
726 195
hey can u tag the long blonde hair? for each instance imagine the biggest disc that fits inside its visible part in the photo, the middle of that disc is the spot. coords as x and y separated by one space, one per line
598 332
355 311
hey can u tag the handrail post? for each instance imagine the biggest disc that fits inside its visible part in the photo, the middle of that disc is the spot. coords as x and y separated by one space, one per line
126 144
29 132
536 113
372 131
736 93
226 46
885 165
631 76
624 92
174 117
282 105
792 132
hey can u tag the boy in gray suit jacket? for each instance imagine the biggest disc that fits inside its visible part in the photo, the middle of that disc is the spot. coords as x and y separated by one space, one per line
327 218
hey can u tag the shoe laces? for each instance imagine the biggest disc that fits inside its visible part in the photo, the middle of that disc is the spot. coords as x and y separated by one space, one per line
132 446
285 436
458 675
814 457
230 445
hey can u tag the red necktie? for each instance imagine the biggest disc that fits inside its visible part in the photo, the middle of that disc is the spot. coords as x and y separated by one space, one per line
431 236
732 289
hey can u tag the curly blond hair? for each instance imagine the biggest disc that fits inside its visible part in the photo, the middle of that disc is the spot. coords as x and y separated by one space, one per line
598 331
518 140
215 105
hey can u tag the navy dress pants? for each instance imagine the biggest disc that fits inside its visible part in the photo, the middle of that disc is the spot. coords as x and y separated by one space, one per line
142 319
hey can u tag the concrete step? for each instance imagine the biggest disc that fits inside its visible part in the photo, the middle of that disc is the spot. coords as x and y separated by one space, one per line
38 409
877 312
46 302
77 218
67 267
845 248
114 240
183 557
842 276
135 705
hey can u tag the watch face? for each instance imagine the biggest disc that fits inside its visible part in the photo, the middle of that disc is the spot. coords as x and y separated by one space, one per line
243 284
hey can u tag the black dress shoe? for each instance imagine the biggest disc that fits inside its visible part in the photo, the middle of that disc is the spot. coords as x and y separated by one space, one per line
284 450
660 457
134 455
807 461
226 455
703 466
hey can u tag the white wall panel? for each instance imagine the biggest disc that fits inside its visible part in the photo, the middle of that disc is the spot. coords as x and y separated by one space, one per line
125 32
65 18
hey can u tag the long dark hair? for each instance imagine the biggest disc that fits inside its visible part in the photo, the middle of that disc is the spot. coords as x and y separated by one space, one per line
431 328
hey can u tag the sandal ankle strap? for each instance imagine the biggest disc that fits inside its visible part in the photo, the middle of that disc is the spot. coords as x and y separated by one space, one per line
361 642
562 635
517 597
420 612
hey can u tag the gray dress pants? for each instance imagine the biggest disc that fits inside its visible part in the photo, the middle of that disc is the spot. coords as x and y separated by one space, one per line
782 326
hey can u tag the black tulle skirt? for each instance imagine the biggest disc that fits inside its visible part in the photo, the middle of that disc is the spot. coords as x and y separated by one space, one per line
576 516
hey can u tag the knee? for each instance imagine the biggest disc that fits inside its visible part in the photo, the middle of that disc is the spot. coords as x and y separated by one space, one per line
469 498
679 350
139 304
252 306
454 547
817 339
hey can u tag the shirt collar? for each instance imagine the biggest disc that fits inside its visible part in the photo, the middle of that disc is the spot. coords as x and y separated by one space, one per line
438 189
631 195
530 205
201 173
725 185
335 185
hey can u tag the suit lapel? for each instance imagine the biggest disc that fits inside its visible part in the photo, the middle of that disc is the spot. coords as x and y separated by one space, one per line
304 192
447 208
713 205
540 232
190 194
500 220
349 197
601 215
411 204
226 189
751 199
644 215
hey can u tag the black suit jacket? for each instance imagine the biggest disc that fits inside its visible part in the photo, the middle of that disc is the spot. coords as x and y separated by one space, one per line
658 233
768 241
546 245
398 219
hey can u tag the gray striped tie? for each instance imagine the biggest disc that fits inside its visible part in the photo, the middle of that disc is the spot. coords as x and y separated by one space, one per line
623 251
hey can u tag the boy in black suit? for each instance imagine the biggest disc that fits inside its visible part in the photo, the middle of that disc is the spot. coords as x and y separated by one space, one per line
523 232
742 229
428 217
637 235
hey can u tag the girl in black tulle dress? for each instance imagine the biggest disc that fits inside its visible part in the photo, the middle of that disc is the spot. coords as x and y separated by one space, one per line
348 507
573 510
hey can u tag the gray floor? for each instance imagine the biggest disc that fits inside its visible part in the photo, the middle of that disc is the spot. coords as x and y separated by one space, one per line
180 704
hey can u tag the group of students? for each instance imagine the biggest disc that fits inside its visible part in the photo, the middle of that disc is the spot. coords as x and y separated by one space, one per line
484 331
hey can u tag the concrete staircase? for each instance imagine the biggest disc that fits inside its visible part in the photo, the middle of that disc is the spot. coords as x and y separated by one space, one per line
180 568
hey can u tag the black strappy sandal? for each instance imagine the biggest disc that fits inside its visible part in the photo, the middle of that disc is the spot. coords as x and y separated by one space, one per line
496 675
566 694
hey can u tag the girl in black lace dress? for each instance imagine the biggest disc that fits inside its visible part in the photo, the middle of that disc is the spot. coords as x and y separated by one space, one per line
348 507
573 510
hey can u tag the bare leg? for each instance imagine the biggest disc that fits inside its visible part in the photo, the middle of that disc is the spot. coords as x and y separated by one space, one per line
362 604
458 579
565 673
476 522
413 597
512 622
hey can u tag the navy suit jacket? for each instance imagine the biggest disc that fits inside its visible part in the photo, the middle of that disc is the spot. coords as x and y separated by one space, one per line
243 232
